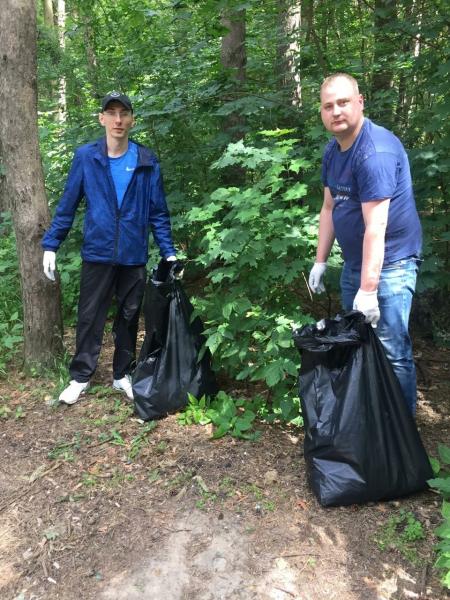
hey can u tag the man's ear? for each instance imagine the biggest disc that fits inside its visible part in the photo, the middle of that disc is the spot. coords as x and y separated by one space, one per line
101 119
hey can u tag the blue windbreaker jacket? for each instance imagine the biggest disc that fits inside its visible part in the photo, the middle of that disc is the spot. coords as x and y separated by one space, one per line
112 235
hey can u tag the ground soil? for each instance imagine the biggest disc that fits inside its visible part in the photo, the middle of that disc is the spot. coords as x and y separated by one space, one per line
95 505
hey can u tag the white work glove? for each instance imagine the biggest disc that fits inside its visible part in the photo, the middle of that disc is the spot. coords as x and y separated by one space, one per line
177 273
315 277
49 263
367 303
320 325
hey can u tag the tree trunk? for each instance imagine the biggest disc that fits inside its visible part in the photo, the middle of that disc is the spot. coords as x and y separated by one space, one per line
48 13
24 182
309 17
62 103
91 57
385 50
289 12
234 59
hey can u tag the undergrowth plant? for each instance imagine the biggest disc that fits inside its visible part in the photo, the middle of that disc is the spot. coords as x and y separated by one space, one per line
229 415
11 314
401 532
441 483
257 246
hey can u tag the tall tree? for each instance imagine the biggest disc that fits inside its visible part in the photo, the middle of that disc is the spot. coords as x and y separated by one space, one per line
234 60
48 13
24 183
289 49
62 103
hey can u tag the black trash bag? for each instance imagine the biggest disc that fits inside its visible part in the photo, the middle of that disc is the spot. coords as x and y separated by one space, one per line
168 367
361 442
165 267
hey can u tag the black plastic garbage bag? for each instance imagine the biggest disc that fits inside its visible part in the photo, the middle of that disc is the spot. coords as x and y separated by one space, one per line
168 367
361 442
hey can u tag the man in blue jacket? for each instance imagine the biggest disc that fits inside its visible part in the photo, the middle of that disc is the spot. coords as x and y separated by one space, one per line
369 208
122 186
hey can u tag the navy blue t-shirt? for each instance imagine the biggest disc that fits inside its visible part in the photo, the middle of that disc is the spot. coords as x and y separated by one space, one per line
376 167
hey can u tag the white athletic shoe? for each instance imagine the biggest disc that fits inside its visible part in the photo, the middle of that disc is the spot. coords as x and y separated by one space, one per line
124 385
73 391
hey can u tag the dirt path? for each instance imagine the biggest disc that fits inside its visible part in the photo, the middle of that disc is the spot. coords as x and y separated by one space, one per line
95 505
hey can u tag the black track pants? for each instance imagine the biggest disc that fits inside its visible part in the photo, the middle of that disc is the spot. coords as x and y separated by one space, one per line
99 283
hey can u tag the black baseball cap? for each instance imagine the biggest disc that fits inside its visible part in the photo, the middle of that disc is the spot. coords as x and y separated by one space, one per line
116 97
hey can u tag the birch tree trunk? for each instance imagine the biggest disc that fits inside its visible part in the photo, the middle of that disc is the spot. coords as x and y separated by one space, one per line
62 104
24 181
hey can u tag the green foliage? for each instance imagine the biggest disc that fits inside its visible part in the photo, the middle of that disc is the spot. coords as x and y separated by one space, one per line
441 483
140 440
11 326
65 450
69 267
257 246
253 238
229 416
401 532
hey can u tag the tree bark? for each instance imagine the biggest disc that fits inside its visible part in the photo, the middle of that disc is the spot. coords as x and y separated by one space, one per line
24 181
91 57
289 12
234 59
62 103
48 13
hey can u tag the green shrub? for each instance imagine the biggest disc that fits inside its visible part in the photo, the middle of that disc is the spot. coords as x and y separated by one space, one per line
257 245
441 483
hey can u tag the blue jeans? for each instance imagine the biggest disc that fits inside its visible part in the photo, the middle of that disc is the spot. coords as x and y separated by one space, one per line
395 292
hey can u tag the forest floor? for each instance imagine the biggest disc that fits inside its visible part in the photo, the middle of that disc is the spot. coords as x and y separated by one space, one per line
96 505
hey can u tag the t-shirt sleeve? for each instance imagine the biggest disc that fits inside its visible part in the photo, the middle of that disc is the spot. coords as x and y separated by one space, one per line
377 176
324 174
325 160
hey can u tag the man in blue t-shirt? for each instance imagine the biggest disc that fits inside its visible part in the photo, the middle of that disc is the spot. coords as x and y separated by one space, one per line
121 183
369 208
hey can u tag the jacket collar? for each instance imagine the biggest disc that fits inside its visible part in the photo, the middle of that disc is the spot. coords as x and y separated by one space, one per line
146 158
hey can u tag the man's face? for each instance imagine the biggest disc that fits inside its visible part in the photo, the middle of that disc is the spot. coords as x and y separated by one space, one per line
341 108
117 120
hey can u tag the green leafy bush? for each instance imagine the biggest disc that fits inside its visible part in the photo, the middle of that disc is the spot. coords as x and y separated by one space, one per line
257 245
441 483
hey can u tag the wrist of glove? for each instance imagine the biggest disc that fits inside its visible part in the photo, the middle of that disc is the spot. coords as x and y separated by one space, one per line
367 303
315 280
49 264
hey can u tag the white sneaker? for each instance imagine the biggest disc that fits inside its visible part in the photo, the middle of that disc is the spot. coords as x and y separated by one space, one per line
124 385
73 391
